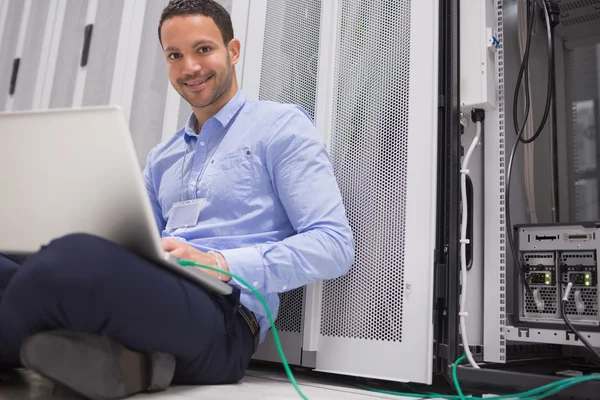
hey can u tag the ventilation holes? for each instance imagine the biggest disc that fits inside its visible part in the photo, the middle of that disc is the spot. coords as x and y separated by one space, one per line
25 89
571 5
547 294
581 19
501 157
289 73
8 46
369 153
588 302
101 64
150 86
69 53
289 318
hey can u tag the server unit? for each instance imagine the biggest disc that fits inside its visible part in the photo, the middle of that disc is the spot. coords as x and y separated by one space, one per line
551 256
546 201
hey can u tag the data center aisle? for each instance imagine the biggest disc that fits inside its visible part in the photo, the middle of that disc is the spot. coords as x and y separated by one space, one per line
257 385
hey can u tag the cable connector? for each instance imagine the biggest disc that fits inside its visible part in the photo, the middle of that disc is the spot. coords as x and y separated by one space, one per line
553 12
478 115
567 291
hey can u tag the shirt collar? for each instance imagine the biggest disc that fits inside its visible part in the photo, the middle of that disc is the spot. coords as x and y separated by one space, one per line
224 115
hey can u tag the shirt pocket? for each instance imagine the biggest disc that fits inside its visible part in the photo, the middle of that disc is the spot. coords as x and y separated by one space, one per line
230 178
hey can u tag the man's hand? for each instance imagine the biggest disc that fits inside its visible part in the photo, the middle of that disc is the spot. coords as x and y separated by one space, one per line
186 252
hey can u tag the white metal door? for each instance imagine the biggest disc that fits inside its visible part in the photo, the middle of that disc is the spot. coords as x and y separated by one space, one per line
287 74
65 54
101 41
147 83
11 20
377 320
34 40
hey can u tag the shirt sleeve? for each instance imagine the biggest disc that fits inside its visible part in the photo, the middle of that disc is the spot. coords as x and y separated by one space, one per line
150 184
304 180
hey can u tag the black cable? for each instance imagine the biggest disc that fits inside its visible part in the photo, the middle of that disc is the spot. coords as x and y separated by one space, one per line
563 306
554 10
550 24
519 129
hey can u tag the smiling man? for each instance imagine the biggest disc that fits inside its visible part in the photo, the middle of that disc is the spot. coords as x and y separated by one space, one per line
246 187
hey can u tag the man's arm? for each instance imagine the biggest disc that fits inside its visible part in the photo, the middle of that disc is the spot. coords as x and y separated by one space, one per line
303 178
149 182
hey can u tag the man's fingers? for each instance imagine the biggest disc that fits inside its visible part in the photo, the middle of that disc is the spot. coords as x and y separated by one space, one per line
171 244
180 253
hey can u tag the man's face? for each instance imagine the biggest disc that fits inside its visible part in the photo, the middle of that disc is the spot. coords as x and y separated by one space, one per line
199 63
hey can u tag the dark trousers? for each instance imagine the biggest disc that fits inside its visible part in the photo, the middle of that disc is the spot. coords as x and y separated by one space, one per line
85 284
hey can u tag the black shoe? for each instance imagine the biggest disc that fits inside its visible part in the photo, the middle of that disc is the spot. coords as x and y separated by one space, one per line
96 367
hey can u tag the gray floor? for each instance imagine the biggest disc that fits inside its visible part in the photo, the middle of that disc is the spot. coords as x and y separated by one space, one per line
257 385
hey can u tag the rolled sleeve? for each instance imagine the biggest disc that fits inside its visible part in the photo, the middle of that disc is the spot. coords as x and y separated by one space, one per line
246 263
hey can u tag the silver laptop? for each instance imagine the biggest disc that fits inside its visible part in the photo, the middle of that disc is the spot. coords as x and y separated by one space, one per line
76 171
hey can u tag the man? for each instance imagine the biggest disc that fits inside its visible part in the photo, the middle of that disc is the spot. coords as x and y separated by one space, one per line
264 207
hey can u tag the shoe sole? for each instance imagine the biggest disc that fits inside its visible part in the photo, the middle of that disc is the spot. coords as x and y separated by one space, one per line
96 367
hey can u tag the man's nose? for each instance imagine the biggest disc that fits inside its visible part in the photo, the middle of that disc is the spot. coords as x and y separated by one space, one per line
191 66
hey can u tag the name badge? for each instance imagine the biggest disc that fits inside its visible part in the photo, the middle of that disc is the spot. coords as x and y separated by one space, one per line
184 214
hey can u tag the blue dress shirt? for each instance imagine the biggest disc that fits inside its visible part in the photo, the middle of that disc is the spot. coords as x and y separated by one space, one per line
271 204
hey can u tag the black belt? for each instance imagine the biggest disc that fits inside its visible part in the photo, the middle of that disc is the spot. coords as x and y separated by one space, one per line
252 323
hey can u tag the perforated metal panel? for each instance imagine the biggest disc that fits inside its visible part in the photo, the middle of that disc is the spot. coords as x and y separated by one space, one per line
383 145
151 84
69 54
548 296
185 110
369 149
289 73
30 59
102 55
8 47
588 297
290 311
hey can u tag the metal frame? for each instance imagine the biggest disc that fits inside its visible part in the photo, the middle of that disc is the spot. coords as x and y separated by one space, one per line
495 152
447 261
326 83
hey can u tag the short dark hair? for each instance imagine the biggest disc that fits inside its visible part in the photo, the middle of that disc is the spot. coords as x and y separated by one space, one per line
208 8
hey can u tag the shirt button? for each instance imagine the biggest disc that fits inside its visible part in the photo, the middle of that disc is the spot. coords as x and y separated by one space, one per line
202 143
284 287
255 284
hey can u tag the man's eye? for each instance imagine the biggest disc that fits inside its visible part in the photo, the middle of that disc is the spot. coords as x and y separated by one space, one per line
203 49
174 56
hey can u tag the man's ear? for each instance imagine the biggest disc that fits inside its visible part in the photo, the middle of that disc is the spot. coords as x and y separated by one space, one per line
234 50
